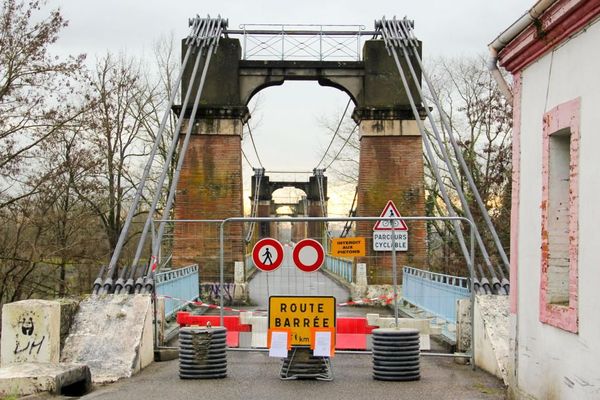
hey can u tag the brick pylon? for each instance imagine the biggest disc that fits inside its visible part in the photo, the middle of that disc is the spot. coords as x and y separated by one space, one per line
210 187
391 168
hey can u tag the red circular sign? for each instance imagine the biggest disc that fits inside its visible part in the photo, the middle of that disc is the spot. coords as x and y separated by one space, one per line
308 255
267 254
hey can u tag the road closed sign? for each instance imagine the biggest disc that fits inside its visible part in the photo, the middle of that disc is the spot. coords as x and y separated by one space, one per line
301 315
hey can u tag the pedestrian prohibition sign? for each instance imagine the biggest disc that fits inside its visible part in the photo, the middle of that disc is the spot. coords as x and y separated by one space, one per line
308 255
267 254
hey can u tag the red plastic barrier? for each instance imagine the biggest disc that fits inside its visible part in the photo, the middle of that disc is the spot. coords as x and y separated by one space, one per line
351 332
231 322
353 325
350 341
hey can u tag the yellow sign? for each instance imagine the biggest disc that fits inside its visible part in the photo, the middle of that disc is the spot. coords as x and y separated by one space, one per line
348 247
301 314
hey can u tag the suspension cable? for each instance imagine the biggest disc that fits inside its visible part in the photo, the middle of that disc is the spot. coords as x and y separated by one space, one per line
396 31
246 158
164 173
195 30
216 27
335 133
351 213
254 145
391 48
457 152
342 148
258 174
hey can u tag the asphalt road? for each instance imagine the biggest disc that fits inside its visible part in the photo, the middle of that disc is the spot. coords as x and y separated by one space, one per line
253 375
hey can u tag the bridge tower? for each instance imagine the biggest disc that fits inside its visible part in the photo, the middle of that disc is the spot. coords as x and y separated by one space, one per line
391 158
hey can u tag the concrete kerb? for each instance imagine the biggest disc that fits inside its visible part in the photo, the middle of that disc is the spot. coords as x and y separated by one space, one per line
31 378
34 332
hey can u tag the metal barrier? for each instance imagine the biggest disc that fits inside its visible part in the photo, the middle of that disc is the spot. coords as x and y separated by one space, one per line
177 285
220 274
340 267
433 292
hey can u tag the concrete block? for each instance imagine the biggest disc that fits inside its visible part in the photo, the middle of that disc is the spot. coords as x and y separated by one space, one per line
463 325
259 331
245 340
29 378
113 335
382 293
245 317
240 293
30 332
372 319
361 274
491 325
425 341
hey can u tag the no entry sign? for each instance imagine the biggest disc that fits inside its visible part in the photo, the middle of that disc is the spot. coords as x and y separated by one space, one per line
267 254
308 255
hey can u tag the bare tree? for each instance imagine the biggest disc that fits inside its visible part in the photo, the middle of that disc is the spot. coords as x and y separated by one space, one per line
114 138
481 119
35 92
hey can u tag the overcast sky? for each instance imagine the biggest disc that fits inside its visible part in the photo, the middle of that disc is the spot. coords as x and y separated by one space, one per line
289 135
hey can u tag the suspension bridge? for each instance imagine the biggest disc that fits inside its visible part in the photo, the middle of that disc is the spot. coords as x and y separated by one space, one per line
219 76
196 249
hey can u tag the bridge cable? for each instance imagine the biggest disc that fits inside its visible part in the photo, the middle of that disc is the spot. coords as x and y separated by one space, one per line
335 133
445 124
341 148
258 174
319 175
351 213
110 270
401 29
161 180
246 158
394 26
254 145
209 41
387 37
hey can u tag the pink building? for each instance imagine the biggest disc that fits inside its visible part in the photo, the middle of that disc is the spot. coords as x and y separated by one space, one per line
553 53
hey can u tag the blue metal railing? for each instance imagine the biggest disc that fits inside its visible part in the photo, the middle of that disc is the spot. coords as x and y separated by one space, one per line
182 284
341 267
433 292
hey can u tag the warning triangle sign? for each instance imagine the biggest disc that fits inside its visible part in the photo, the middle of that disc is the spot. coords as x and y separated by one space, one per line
390 211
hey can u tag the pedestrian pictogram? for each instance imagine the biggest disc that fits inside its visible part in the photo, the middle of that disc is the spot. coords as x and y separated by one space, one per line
390 211
308 255
267 254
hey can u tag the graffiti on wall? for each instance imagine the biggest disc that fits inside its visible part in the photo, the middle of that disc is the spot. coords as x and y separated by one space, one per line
26 341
